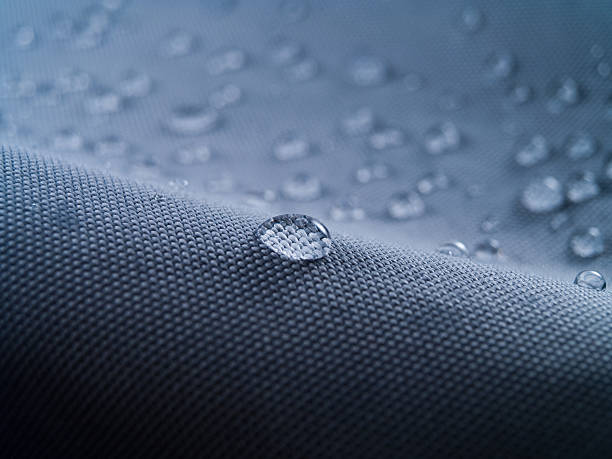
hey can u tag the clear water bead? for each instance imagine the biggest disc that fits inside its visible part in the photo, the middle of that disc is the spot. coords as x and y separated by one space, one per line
368 71
302 187
582 187
543 195
405 205
590 279
291 146
454 249
534 152
442 138
192 119
587 243
296 237
580 146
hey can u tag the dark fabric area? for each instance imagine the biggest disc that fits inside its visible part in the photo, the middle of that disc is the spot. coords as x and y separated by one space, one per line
135 324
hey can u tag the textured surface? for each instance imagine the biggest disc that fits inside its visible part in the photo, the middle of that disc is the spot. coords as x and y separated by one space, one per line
134 323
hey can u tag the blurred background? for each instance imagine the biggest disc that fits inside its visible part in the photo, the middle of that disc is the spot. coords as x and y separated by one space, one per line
412 123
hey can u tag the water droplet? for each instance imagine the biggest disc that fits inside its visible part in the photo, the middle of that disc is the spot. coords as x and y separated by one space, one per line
260 199
192 155
405 205
499 65
296 237
580 145
442 138
111 146
558 221
230 60
368 71
590 279
72 81
92 27
102 101
293 11
25 37
565 91
302 187
372 171
604 69
285 52
597 51
520 94
587 243
490 224
67 139
582 187
536 151
192 119
178 43
225 96
488 250
178 185
290 146
360 122
413 82
347 210
543 195
303 70
386 138
433 182
454 249
135 84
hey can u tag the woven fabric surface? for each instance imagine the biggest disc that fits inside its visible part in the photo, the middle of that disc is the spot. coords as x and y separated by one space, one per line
134 323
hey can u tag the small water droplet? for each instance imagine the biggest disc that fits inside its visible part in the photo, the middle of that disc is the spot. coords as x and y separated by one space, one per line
73 80
604 69
590 279
91 29
347 210
534 152
111 146
285 52
597 51
580 145
386 138
405 205
225 96
293 11
488 250
67 139
191 155
192 119
25 37
291 146
302 187
372 171
433 182
587 243
102 101
296 237
454 249
581 187
178 185
543 195
368 71
520 94
499 65
565 91
135 84
360 122
304 70
442 138
178 43
472 19
230 60
490 224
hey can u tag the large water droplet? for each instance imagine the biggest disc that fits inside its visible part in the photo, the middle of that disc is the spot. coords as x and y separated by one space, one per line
580 146
590 279
291 146
442 138
230 60
536 151
296 237
582 187
102 101
543 195
302 187
454 249
587 243
360 122
135 84
192 119
405 205
178 43
386 138
368 70
225 96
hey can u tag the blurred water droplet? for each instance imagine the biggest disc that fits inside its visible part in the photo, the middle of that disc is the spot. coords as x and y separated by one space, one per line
534 152
102 101
442 138
283 52
405 205
67 139
135 84
488 250
604 69
474 191
472 19
24 37
91 29
597 51
260 199
386 138
564 91
73 80
587 243
347 210
113 5
111 146
291 146
372 171
582 187
302 187
413 82
192 119
304 70
590 279
454 249
433 182
230 60
178 185
520 94
360 122
225 96
191 155
543 195
490 224
368 71
580 145
178 43
296 237
499 65
558 221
